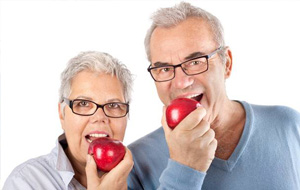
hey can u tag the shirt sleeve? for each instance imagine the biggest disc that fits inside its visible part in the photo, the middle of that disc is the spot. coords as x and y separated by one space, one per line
17 182
178 176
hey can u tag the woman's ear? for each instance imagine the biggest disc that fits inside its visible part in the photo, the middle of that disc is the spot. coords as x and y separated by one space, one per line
61 112
61 115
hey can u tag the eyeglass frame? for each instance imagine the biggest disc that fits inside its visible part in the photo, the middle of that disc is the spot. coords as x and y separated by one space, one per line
180 65
70 104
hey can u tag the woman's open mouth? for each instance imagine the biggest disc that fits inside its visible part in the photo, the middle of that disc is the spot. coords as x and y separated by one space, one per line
92 136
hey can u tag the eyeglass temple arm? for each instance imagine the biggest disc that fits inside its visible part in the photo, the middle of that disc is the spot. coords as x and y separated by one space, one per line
214 52
67 101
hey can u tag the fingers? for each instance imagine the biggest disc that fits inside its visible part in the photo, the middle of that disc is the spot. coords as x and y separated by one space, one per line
125 166
192 142
208 137
188 123
214 143
91 171
200 129
114 179
193 119
166 128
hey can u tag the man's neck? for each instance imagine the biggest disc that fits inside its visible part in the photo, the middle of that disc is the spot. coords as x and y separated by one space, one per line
228 126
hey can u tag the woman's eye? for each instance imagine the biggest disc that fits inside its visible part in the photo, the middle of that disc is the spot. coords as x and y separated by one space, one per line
113 105
83 103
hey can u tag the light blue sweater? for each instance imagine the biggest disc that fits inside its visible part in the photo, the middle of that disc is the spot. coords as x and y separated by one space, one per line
267 157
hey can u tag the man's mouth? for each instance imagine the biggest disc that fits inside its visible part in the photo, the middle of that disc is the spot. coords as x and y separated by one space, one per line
197 97
93 136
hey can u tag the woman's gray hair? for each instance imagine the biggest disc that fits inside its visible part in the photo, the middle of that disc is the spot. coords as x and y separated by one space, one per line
97 62
168 17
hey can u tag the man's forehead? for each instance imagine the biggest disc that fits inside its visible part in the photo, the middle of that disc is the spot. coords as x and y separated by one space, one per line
190 24
182 33
184 41
179 51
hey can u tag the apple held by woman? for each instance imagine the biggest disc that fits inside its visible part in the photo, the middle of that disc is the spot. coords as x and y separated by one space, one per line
107 153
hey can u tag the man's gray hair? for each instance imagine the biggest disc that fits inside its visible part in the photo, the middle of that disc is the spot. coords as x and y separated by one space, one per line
96 62
168 17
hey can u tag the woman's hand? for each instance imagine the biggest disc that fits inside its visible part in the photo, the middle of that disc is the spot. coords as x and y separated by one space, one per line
116 179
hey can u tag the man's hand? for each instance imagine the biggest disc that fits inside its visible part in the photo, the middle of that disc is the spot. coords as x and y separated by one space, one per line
116 179
192 142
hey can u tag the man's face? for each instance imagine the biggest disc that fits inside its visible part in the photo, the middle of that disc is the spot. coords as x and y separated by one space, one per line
99 88
173 46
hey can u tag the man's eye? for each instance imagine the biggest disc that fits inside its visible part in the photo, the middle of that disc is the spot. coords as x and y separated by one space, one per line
195 63
164 69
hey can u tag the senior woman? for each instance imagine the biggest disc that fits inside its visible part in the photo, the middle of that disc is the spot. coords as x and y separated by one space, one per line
93 78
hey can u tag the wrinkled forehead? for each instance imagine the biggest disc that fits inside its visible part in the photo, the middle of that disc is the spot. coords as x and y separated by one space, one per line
175 43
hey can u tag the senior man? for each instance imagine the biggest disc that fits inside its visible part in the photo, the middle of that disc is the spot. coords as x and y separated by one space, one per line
223 144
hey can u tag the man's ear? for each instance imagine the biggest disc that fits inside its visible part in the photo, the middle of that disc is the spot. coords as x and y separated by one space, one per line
228 63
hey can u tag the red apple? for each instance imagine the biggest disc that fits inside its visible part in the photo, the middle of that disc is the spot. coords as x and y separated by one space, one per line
107 153
179 109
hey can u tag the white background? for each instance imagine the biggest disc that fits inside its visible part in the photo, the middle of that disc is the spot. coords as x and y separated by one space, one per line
39 37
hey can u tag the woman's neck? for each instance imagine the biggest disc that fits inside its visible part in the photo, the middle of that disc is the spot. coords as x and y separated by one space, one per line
78 167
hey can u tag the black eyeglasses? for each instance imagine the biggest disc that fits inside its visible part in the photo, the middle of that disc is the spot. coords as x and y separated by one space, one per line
88 108
190 67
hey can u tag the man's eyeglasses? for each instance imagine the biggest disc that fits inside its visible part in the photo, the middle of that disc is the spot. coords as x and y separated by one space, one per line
190 67
88 108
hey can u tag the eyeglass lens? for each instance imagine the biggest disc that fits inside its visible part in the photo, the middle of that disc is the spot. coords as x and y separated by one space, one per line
113 109
190 67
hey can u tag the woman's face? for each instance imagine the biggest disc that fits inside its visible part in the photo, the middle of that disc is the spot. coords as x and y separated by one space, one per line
80 130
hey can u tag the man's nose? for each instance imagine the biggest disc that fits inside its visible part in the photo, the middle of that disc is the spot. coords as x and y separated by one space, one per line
181 80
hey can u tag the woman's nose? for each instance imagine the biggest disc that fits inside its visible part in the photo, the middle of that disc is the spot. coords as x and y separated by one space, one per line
99 116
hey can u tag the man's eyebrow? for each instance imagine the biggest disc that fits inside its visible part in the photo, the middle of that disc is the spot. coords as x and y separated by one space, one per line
191 56
194 55
159 64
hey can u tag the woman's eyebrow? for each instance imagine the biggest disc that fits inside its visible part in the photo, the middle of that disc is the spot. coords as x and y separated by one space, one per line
84 97
114 100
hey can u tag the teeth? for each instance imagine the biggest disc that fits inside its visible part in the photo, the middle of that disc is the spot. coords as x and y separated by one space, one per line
98 135
95 135
192 96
